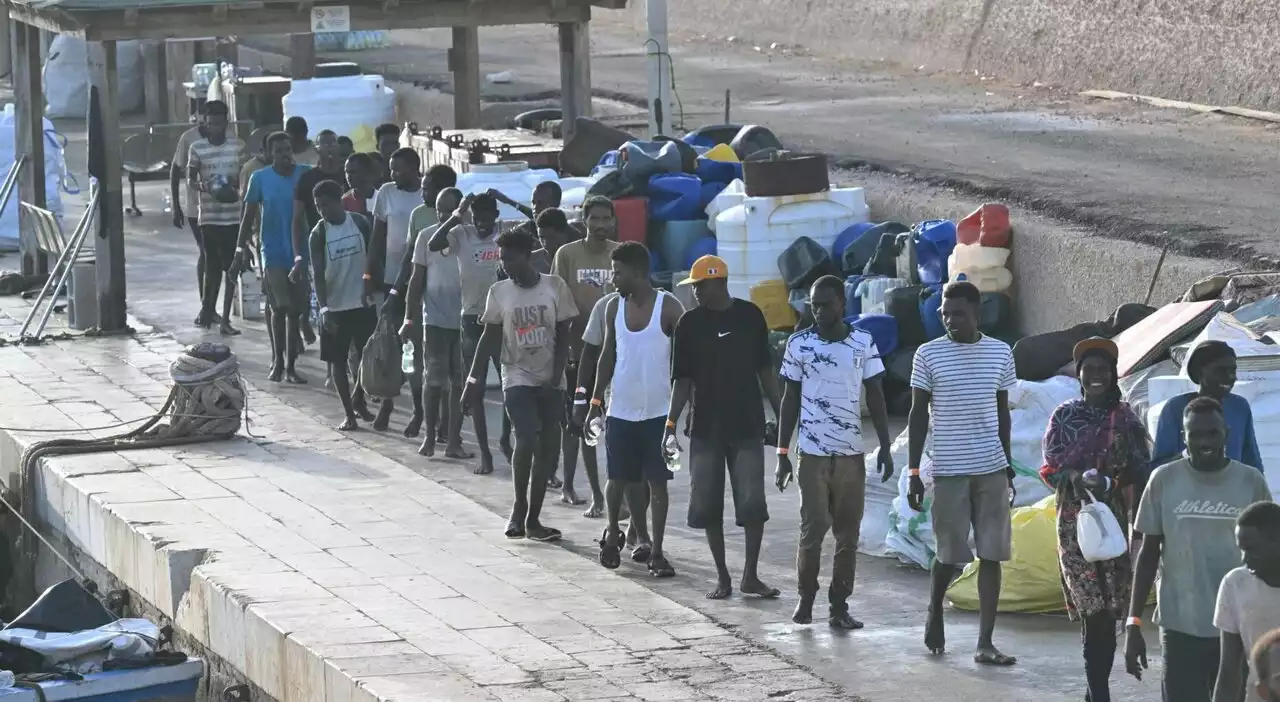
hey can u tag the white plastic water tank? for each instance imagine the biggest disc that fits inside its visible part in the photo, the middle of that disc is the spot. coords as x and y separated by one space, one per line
574 191
750 236
352 106
512 178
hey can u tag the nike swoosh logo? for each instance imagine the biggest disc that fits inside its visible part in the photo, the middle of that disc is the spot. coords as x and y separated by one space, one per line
724 334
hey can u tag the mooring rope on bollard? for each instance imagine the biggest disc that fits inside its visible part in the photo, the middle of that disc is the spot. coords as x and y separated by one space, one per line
208 402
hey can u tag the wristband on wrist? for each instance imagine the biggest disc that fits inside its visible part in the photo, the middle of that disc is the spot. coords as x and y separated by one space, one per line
297 259
782 451
393 292
580 391
1133 621
324 310
580 401
472 381
408 322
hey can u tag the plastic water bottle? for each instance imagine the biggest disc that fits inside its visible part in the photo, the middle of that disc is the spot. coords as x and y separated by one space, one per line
595 429
6 679
406 359
671 452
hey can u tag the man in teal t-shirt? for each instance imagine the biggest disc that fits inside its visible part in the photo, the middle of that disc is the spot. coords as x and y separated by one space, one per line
270 198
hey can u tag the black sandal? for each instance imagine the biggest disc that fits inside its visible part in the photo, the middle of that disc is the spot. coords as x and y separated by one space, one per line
610 553
660 568
641 553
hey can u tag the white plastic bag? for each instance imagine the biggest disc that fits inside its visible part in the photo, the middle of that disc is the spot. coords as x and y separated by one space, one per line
1099 532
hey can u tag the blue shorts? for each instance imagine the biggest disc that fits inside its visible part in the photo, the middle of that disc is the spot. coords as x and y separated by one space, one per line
634 450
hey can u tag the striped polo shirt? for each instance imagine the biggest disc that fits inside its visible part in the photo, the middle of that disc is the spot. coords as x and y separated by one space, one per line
963 380
221 161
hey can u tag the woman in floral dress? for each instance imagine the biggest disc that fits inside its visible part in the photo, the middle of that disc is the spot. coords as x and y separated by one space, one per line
1096 443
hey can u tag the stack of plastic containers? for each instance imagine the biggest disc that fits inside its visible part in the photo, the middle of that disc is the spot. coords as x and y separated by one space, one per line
982 249
752 232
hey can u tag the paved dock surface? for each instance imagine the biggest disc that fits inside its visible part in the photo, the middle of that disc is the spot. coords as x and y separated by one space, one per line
337 536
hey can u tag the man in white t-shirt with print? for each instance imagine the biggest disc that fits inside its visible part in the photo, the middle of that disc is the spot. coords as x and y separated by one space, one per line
825 368
962 382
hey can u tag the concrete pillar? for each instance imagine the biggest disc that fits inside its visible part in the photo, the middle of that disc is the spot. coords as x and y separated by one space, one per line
464 62
303 56
575 74
154 85
28 92
6 47
179 57
104 164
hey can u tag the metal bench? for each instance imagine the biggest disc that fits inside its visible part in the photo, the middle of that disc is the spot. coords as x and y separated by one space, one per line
46 235
148 154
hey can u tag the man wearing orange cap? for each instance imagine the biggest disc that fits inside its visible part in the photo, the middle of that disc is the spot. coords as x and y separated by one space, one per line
720 357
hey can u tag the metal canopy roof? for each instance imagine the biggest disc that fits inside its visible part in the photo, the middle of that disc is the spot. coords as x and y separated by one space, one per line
102 20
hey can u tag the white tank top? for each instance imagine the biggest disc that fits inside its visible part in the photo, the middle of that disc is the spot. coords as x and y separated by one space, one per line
642 371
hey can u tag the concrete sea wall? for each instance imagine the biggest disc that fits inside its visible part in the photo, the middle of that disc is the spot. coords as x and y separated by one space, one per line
1214 51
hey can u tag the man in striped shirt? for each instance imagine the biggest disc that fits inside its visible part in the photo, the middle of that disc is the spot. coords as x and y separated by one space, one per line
213 171
963 380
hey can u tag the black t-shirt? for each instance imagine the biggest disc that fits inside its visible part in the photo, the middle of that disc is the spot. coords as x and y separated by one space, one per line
306 187
722 353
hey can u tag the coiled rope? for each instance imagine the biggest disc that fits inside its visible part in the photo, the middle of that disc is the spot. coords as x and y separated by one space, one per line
206 403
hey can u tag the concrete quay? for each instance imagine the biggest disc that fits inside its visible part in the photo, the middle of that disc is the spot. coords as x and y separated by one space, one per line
317 570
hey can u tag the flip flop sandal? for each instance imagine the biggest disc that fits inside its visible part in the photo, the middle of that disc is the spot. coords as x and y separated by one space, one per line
640 554
994 659
610 554
660 568
515 530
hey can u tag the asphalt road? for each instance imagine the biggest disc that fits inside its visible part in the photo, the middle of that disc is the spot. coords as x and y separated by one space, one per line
1203 182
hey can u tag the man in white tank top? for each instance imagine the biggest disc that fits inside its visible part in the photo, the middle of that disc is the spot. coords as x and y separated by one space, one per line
636 360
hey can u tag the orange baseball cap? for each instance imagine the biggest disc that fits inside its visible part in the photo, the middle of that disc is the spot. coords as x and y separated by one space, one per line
706 268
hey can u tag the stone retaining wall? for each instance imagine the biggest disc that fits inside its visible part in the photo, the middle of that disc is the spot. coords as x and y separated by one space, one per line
1214 51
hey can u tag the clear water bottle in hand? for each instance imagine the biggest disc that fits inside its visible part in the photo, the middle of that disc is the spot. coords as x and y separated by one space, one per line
595 429
671 453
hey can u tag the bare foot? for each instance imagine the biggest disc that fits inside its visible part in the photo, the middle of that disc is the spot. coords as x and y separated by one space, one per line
804 611
226 329
844 620
362 411
722 592
349 425
428 448
486 465
553 482
595 511
384 417
414 426
758 589
456 451
569 497
935 638
291 377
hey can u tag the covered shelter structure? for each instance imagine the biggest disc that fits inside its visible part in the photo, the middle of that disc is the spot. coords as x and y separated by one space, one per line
103 23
